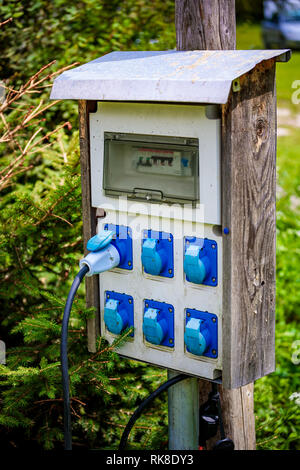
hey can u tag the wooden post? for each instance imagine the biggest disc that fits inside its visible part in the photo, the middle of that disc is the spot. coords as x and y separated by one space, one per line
205 25
202 24
183 400
88 217
249 169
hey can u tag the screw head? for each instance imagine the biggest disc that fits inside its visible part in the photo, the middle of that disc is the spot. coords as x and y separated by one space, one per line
214 319
170 271
213 246
147 305
170 309
107 296
170 239
130 301
129 263
214 352
213 279
170 341
188 314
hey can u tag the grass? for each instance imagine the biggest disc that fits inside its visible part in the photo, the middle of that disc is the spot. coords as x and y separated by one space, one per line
249 37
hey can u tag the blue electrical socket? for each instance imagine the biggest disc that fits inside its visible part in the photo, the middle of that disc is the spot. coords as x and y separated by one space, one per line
125 305
208 253
159 259
210 322
165 314
123 242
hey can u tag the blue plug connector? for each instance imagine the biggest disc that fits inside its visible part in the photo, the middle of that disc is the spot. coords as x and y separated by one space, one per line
115 317
201 261
197 337
201 333
154 328
195 268
118 312
157 253
103 256
158 323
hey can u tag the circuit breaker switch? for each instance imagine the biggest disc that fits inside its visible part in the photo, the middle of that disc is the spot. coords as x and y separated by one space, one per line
196 337
115 317
154 328
154 259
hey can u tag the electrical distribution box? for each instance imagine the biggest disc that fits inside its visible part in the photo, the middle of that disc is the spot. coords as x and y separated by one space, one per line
155 171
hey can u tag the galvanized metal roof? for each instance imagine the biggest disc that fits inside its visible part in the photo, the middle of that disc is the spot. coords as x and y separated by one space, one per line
174 76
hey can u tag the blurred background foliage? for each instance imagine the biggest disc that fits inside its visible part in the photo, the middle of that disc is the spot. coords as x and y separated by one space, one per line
79 31
41 234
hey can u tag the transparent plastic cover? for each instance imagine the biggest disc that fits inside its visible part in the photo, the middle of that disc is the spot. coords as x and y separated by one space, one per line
154 168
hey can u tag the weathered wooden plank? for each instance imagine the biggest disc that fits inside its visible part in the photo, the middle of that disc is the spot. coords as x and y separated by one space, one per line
89 218
238 416
205 25
239 421
211 25
248 210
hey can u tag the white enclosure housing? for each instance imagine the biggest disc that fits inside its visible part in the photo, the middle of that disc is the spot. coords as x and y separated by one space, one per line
203 220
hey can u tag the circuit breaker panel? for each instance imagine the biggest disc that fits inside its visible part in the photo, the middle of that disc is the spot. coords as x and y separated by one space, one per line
156 173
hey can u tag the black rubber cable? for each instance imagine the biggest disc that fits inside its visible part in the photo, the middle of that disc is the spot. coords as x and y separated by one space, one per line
65 373
145 403
216 392
64 357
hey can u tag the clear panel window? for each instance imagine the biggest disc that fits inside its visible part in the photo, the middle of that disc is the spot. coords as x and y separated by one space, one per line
154 168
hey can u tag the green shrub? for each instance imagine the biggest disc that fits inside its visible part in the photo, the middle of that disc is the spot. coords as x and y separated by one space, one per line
40 246
44 31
